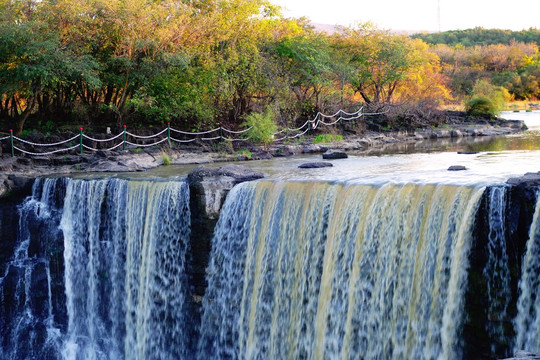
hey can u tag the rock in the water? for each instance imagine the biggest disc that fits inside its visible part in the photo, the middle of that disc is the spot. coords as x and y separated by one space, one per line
457 168
209 185
334 154
529 179
524 355
315 165
467 152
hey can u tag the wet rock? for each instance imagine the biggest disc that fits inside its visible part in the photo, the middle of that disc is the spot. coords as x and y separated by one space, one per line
524 355
313 148
209 185
529 179
457 168
261 155
334 154
315 165
456 133
467 152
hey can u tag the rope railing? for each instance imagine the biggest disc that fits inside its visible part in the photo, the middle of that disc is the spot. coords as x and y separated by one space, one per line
140 141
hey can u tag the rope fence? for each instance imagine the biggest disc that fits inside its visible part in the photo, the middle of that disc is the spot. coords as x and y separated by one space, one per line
76 142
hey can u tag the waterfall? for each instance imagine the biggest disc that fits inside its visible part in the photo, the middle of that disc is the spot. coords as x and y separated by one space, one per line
317 270
527 322
27 314
126 253
496 271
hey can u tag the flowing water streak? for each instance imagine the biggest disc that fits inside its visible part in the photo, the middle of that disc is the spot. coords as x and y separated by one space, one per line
527 322
317 270
126 251
31 326
496 271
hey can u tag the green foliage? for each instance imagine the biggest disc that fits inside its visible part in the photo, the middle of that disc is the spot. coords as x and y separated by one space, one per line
262 127
106 62
245 152
487 100
480 36
165 159
327 138
481 106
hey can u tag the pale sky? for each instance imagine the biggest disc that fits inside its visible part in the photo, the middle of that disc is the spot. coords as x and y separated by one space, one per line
419 14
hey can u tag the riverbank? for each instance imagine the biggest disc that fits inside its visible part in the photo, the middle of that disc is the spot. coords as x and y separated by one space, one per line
17 172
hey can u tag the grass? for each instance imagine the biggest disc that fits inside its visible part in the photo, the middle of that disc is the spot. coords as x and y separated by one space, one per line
327 138
166 159
245 152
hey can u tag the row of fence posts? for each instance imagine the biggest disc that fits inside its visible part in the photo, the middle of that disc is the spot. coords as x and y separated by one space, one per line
124 138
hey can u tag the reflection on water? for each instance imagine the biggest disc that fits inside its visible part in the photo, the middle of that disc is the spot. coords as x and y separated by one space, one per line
530 140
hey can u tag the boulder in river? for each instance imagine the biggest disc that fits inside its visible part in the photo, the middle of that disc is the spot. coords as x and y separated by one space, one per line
315 165
457 168
334 154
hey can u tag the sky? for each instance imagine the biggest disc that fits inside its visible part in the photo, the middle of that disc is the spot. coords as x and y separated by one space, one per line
419 14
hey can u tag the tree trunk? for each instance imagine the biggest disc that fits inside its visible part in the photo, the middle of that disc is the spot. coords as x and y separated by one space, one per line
20 120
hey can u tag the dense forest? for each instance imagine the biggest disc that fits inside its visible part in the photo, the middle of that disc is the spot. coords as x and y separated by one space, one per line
97 63
480 36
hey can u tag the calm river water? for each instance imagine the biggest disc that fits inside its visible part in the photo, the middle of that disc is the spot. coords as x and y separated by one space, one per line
493 160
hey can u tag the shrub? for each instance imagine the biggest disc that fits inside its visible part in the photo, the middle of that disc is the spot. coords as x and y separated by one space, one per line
262 126
245 152
487 100
481 106
327 138
166 159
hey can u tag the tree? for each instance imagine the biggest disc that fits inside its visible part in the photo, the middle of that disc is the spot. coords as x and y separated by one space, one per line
380 61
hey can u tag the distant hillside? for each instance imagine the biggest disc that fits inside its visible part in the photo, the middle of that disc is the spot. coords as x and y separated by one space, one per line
332 29
325 28
480 36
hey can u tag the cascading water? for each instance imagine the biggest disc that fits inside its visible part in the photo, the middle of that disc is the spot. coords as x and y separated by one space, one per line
314 270
99 271
527 322
496 271
126 252
29 312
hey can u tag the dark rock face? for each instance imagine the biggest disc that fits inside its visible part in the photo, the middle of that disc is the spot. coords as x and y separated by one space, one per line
32 263
457 168
16 186
208 187
315 165
529 179
334 154
518 210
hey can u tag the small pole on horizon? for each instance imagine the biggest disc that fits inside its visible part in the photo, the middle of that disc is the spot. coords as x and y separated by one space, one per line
80 141
11 138
124 138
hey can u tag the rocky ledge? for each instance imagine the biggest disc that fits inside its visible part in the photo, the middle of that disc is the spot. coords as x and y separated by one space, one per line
524 355
527 180
209 185
208 188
